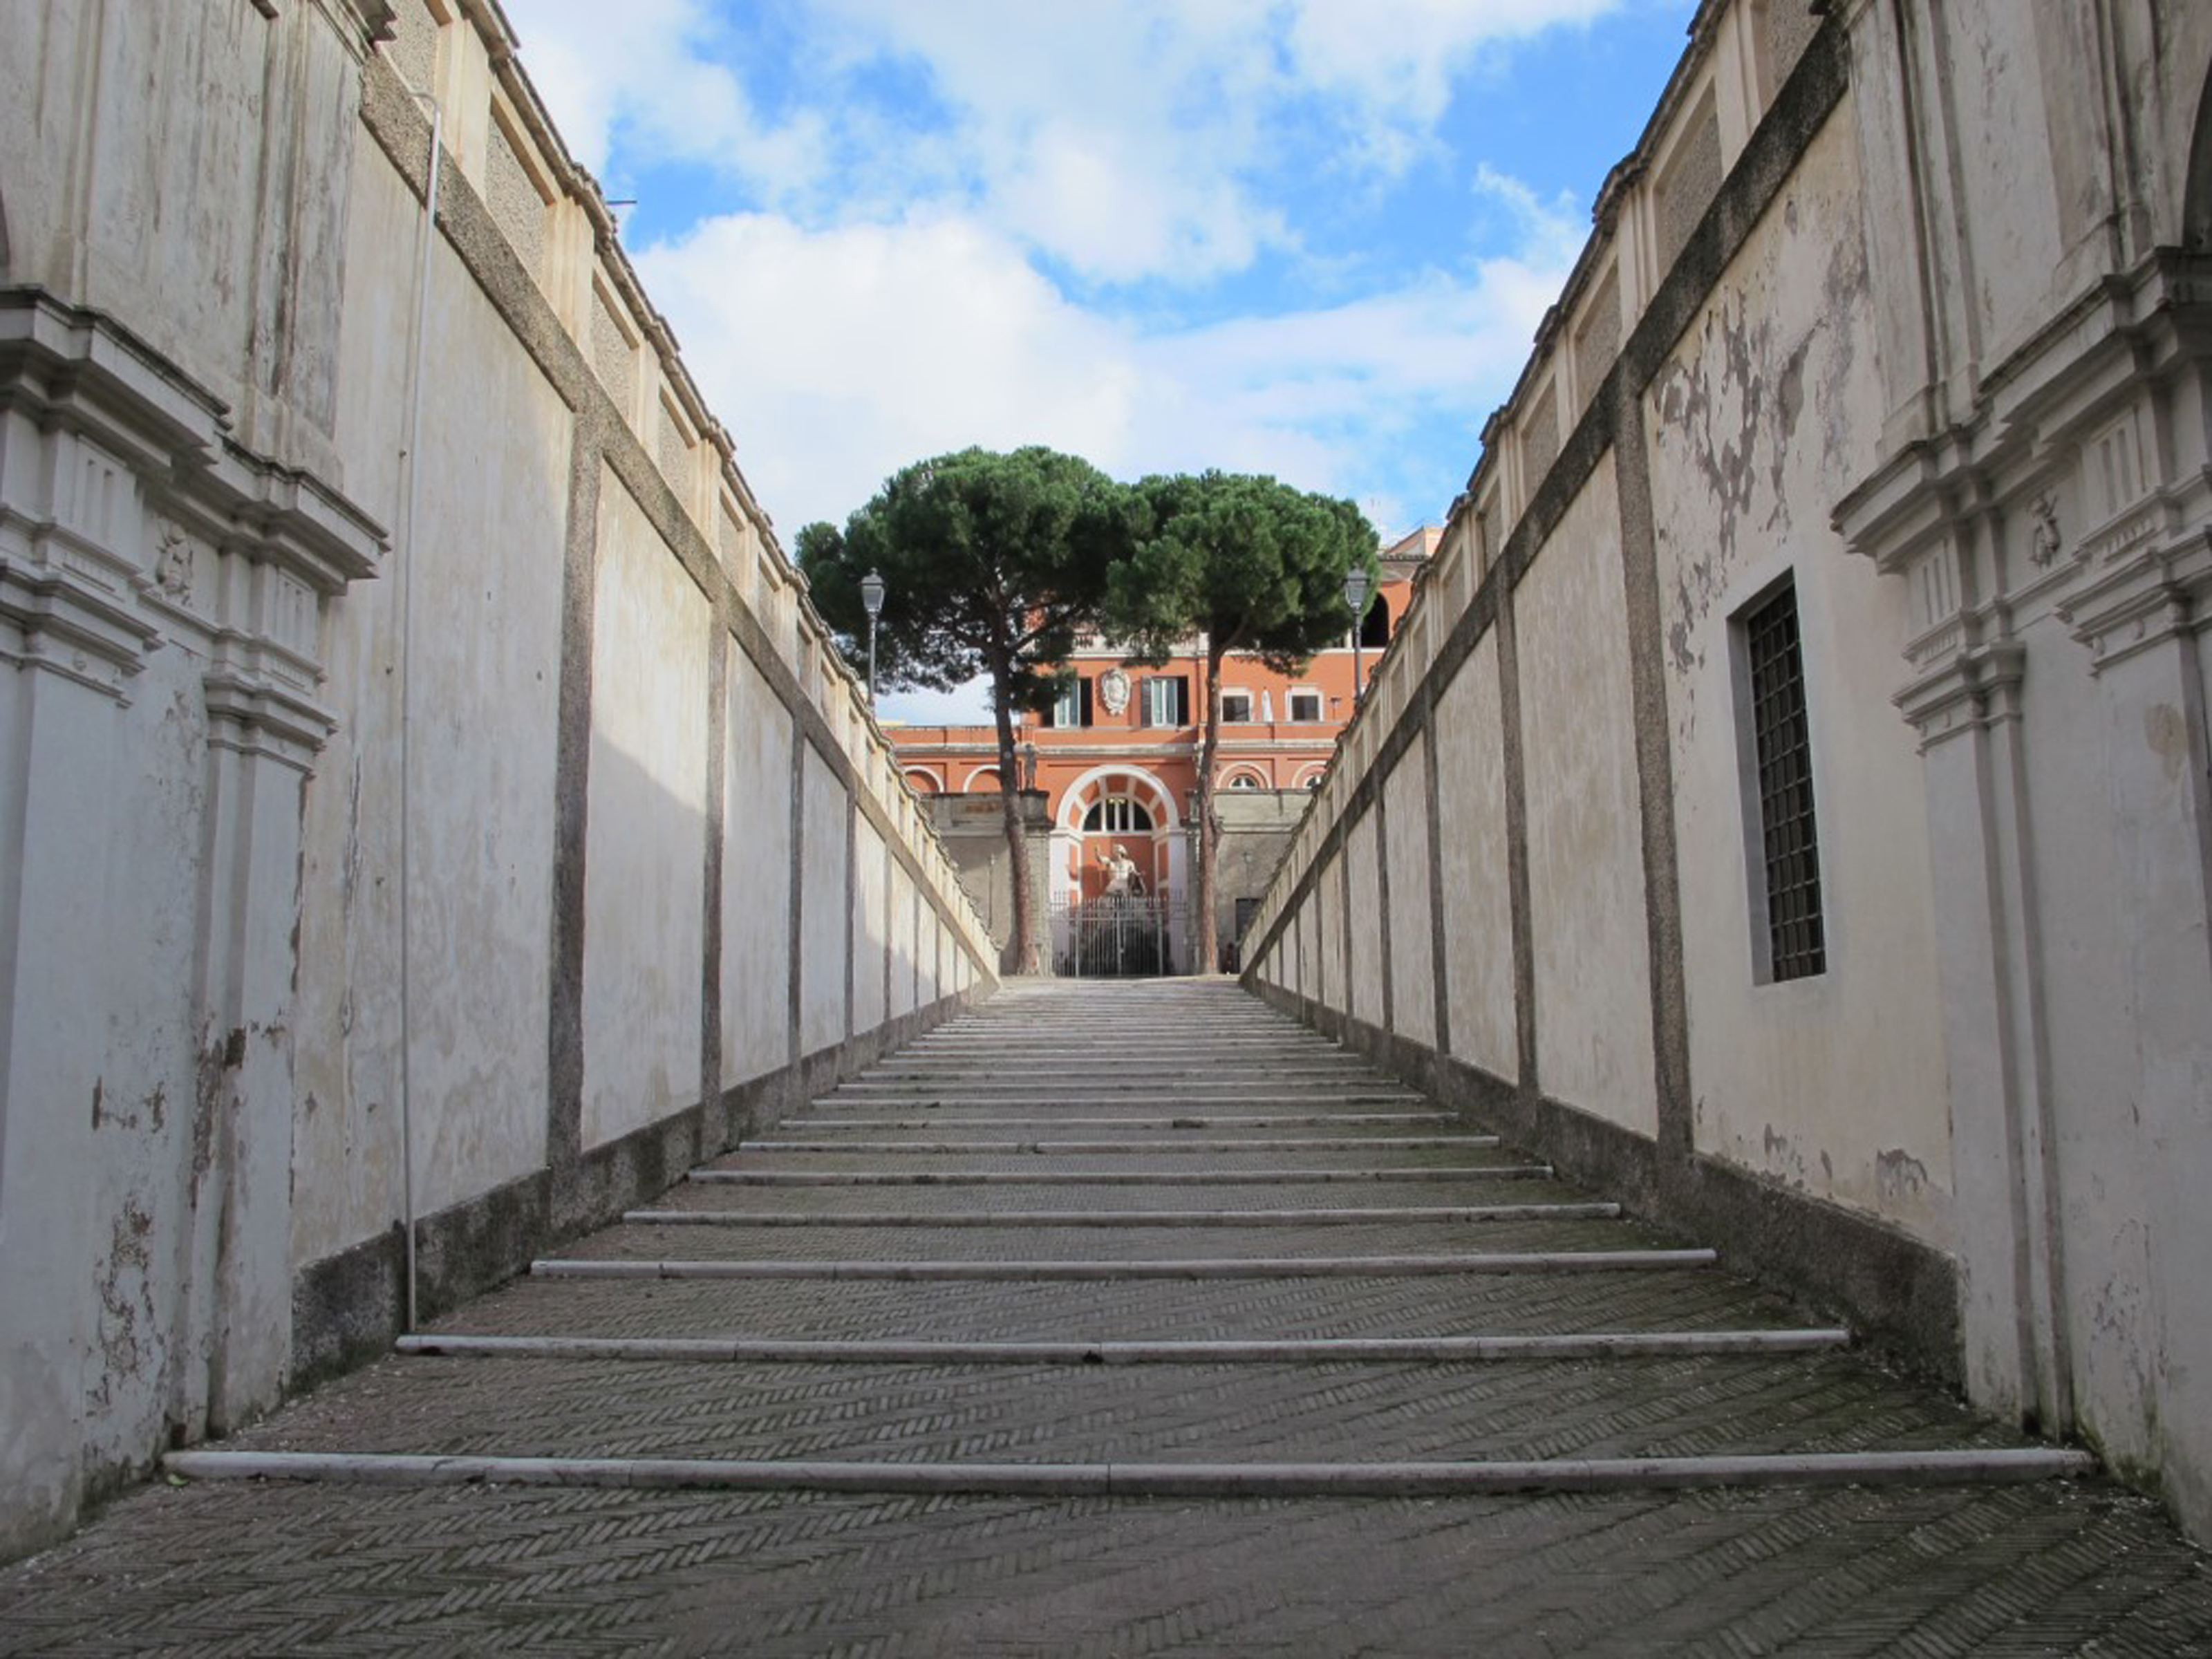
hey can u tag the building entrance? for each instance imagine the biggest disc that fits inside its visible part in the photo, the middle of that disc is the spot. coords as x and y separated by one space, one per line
1119 935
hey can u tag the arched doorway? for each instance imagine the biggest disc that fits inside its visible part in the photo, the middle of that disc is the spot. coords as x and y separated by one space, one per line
1117 874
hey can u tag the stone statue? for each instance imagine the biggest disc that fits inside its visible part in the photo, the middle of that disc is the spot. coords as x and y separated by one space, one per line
1122 880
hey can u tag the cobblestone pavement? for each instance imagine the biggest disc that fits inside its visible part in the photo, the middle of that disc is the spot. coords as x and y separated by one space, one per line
1037 1371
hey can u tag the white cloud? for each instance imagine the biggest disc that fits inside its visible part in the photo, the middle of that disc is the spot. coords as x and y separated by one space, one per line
1127 142
663 87
836 357
1394 59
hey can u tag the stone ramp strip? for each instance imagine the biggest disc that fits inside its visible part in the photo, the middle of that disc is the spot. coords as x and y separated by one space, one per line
1367 1479
978 1386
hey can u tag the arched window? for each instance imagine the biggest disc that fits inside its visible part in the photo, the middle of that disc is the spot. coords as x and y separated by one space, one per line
1117 815
1243 780
1376 630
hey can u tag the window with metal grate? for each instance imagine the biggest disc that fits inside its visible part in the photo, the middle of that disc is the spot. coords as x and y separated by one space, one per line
1782 758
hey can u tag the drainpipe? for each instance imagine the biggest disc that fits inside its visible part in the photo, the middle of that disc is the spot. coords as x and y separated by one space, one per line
407 686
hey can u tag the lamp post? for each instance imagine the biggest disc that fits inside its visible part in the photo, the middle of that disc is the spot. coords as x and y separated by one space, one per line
872 600
1355 595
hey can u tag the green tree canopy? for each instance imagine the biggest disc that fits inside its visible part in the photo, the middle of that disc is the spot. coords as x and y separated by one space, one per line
1251 565
992 563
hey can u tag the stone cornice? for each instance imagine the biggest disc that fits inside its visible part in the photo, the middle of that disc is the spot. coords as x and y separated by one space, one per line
134 517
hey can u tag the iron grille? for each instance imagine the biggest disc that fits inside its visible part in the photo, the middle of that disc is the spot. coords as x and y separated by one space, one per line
1117 936
1796 940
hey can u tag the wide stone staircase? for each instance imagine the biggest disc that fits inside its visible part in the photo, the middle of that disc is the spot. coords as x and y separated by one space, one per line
1136 1239
1129 1318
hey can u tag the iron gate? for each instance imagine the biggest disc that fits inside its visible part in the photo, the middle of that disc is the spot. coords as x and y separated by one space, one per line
1118 936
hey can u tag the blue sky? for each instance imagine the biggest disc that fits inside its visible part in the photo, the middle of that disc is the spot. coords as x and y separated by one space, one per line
1306 237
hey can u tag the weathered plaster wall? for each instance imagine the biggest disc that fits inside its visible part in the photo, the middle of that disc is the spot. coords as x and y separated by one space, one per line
1412 902
902 943
643 927
826 932
1592 986
1478 898
1329 951
756 851
1832 1084
1364 898
486 659
213 224
1927 349
871 929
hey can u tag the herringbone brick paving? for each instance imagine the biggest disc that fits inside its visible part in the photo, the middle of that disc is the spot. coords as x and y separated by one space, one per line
1101 1312
229 1569
2078 1567
1083 1244
527 1407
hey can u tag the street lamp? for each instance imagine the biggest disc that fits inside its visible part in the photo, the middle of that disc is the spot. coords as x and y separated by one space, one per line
872 600
1355 595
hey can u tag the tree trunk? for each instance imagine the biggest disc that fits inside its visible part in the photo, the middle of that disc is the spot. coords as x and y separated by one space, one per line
1207 953
1020 955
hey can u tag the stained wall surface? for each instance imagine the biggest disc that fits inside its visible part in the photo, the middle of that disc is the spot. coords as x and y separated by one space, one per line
1886 326
320 667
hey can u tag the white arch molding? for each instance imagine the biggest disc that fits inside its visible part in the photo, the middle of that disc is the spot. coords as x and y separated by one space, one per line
992 771
1074 801
1068 838
924 782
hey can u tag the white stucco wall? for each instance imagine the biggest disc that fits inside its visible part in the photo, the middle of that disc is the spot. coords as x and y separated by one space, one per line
1328 899
825 931
645 849
1833 1082
870 927
1593 987
1412 973
1478 895
487 570
755 876
211 267
1366 1000
902 942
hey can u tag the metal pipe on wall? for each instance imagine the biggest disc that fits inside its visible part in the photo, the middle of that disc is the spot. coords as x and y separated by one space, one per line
406 575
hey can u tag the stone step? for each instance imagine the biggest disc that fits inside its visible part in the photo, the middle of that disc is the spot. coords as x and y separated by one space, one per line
1147 1309
1506 1409
1120 1145
1032 1175
957 1118
1422 1350
979 1204
1164 1224
1125 1480
1123 1270
1141 1235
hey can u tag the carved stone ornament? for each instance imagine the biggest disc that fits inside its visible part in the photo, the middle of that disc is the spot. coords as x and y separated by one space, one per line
1114 690
2045 541
173 563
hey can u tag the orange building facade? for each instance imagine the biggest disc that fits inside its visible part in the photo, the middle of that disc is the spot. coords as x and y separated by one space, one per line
1117 759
